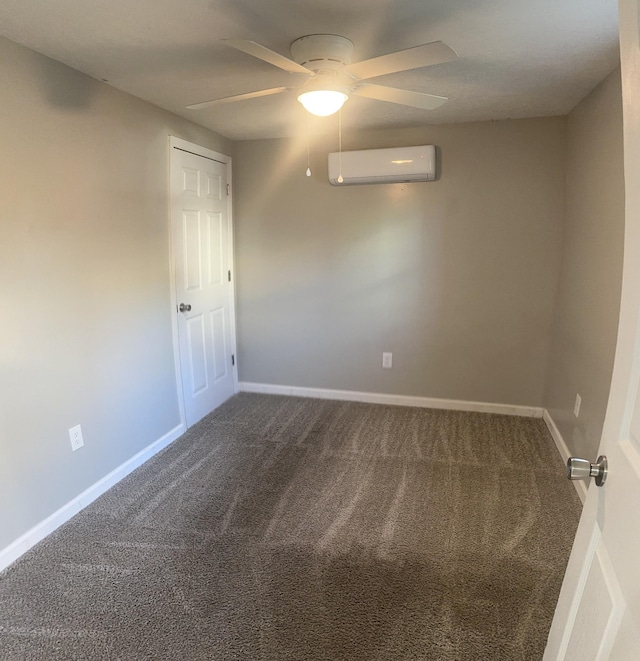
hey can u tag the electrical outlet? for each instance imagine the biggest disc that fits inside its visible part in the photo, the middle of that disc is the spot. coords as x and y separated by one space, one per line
75 436
387 360
576 406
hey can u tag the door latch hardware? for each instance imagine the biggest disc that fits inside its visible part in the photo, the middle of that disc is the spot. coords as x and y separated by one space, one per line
581 469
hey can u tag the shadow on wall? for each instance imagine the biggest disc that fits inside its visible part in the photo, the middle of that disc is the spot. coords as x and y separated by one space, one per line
64 87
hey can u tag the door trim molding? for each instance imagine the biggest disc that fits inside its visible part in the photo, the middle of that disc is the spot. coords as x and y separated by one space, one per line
198 150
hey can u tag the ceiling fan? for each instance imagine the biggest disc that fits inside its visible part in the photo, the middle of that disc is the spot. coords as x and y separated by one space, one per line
326 60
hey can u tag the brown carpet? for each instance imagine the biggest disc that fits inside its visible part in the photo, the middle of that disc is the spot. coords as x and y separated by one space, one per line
286 528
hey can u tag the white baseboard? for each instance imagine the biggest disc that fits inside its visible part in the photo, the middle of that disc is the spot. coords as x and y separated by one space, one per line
580 485
396 400
21 545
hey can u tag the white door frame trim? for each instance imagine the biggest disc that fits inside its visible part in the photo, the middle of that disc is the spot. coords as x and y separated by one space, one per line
198 150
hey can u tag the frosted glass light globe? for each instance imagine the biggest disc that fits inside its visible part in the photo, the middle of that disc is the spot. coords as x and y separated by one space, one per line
322 102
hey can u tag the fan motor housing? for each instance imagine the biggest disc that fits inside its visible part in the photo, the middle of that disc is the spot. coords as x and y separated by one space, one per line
322 51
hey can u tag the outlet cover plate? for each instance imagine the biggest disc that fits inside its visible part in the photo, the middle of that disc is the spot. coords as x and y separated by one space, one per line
387 360
75 436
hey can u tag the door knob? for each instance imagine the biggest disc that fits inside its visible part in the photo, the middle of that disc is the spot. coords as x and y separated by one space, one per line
184 307
581 469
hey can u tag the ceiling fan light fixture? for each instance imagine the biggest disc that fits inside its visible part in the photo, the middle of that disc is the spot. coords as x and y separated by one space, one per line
332 78
322 102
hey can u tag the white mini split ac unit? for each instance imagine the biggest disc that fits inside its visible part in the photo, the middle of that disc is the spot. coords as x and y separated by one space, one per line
383 166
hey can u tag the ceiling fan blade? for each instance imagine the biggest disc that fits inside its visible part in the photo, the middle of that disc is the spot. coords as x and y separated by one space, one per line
267 55
237 97
404 97
436 52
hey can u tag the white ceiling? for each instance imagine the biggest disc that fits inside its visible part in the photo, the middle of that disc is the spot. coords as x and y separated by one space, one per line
518 58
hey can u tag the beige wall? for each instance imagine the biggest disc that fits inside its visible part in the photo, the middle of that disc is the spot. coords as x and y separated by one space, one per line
588 299
84 255
455 277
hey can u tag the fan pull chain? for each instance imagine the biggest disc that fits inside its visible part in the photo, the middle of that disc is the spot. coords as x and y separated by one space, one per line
340 179
308 173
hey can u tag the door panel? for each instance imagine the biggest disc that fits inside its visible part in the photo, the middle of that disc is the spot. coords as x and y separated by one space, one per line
218 333
214 186
196 343
190 182
216 246
201 249
599 612
192 258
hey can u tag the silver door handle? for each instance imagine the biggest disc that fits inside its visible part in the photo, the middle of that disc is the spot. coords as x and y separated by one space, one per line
184 307
581 469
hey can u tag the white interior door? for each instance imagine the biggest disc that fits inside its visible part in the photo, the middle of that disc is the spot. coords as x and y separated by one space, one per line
598 613
202 254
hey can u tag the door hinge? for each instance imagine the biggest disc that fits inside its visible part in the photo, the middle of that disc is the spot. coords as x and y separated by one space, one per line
233 359
228 189
229 276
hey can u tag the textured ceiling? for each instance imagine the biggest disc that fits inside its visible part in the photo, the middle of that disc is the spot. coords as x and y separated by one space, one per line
518 58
